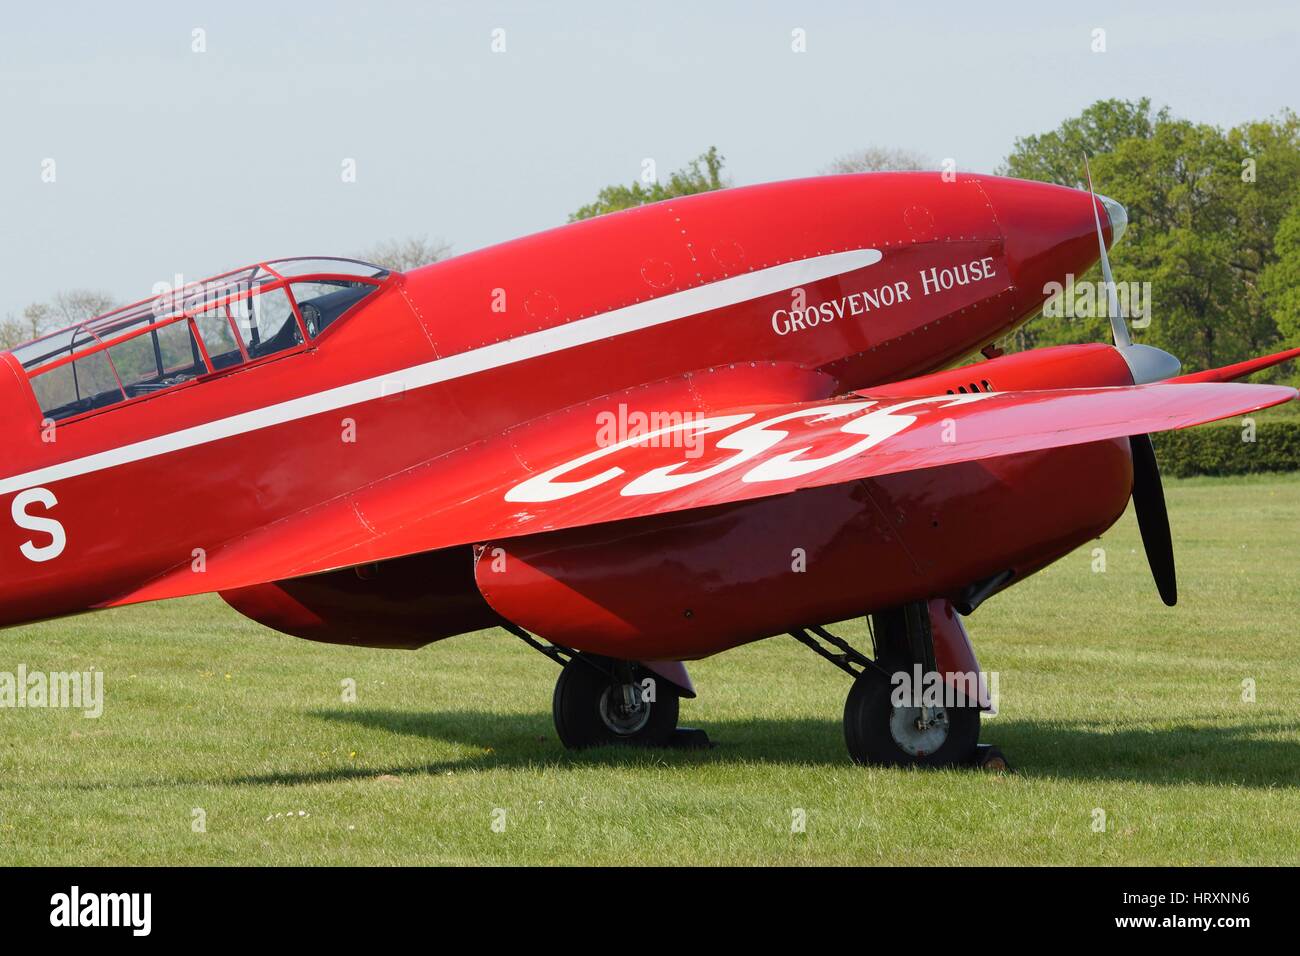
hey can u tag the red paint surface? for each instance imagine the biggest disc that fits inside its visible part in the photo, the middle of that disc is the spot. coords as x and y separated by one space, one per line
1031 474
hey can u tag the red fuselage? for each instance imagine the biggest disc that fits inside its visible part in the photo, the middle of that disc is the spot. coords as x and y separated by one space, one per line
145 487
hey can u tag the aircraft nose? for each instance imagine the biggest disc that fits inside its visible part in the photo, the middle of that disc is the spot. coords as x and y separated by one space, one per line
1118 216
1049 232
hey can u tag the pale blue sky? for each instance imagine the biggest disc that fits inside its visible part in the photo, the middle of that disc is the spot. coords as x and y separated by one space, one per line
170 161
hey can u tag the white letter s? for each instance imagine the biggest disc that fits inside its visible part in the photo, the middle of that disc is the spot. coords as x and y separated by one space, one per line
49 526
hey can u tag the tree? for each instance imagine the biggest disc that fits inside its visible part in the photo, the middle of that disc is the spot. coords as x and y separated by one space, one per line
1201 229
1054 157
402 255
36 320
66 308
1280 281
701 174
13 332
77 305
874 159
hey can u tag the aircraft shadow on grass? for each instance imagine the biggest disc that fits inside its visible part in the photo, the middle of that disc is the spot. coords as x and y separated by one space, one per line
1242 754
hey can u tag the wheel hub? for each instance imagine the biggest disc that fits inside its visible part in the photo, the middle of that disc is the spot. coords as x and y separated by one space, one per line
918 731
622 710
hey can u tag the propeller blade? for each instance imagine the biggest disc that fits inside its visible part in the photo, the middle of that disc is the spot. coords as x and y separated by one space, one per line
1118 325
1153 518
1147 363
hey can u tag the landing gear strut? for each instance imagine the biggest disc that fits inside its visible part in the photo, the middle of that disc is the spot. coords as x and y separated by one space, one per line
600 701
885 723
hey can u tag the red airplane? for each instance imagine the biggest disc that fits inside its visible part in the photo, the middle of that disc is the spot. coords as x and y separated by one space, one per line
631 441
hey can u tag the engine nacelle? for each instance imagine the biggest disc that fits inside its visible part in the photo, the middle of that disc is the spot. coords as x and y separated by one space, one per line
405 603
694 583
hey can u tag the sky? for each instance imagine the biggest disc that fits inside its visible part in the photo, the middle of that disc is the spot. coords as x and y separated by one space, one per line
170 160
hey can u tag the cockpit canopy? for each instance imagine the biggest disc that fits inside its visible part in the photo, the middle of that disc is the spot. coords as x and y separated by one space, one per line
202 328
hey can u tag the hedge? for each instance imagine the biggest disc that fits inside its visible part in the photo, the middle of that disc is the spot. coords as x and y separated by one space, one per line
1220 449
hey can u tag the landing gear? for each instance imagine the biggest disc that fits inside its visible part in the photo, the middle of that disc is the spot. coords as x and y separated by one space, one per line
599 701
894 723
877 732
913 730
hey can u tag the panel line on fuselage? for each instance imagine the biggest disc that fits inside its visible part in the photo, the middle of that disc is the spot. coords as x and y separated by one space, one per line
632 318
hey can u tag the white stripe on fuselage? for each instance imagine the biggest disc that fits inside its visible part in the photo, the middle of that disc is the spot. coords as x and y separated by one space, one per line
632 318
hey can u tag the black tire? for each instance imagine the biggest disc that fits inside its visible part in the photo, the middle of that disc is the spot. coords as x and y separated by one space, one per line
587 712
870 729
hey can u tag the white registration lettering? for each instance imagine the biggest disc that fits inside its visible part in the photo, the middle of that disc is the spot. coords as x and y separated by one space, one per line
748 443
874 426
547 486
29 522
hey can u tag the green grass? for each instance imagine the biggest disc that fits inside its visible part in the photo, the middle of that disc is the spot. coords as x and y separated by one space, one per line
1109 700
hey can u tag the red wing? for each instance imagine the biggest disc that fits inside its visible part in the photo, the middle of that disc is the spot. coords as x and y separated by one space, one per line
1229 373
568 472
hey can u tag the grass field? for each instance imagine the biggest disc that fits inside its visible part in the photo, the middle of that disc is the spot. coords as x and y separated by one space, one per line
1109 701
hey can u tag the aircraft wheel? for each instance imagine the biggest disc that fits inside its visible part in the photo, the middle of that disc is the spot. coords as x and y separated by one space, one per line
877 732
595 705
